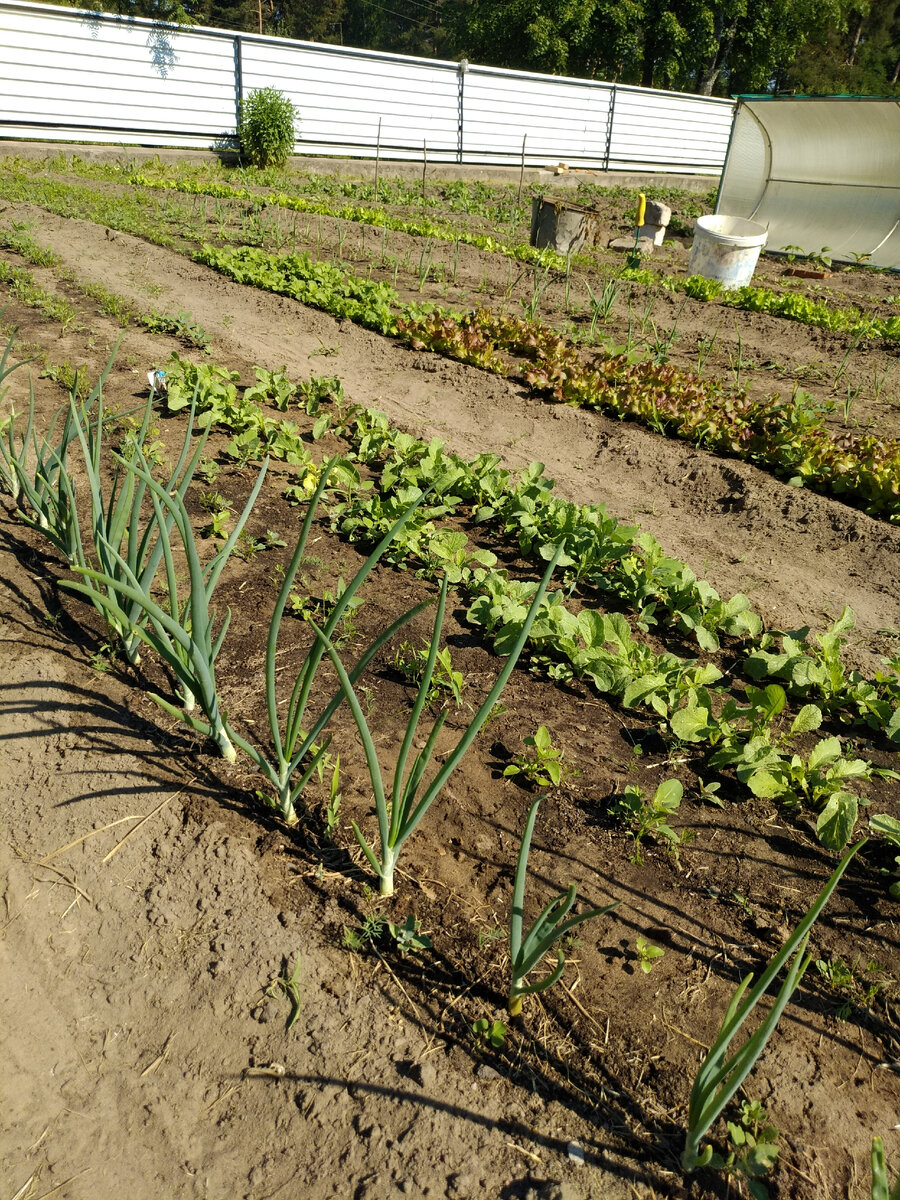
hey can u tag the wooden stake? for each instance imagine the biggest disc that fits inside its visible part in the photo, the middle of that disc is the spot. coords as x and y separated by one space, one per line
377 158
521 171
424 165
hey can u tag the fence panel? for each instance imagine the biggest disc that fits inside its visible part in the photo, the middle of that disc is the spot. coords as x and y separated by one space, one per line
342 94
73 75
669 131
562 120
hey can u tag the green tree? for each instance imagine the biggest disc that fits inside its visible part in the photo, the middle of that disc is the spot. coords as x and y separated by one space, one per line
863 58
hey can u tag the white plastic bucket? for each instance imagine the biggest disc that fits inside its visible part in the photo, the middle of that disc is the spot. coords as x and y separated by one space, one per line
726 249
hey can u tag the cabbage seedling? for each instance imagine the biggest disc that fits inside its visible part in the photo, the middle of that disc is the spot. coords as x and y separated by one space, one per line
527 951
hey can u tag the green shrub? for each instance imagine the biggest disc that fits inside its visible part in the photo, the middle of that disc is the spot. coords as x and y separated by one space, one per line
266 128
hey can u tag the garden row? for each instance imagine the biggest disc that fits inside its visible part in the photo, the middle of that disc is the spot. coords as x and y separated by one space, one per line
774 433
138 532
819 314
743 733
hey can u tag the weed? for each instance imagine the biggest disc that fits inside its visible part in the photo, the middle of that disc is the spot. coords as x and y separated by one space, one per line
208 470
412 663
487 1033
408 937
646 954
333 805
651 819
289 986
373 926
266 127
495 934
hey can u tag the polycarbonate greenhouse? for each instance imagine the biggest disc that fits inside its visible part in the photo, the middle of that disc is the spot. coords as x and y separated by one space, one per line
818 171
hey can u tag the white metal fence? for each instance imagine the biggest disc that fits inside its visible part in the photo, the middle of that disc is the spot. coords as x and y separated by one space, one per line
72 75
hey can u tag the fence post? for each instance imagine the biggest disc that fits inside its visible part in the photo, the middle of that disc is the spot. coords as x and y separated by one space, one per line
610 115
238 85
461 74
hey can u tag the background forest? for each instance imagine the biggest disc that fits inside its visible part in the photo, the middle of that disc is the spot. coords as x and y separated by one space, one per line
714 47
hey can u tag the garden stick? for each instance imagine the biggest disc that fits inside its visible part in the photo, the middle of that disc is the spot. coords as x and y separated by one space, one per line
377 158
521 171
118 846
42 862
424 165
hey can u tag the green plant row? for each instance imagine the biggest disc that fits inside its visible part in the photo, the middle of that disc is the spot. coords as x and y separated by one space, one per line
745 733
600 552
774 433
131 544
792 305
357 213
495 203
321 285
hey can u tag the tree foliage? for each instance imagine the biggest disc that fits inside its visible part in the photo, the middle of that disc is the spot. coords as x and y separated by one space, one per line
687 45
714 47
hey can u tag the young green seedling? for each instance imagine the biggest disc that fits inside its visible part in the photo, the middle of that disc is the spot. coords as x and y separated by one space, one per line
543 765
400 810
647 954
289 985
290 742
882 1189
185 636
527 950
719 1076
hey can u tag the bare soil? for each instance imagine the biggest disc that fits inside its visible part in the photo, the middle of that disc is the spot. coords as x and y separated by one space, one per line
150 901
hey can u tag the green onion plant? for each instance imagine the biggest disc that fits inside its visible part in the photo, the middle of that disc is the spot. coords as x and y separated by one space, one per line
34 470
290 743
719 1076
116 511
881 1185
185 635
528 950
400 810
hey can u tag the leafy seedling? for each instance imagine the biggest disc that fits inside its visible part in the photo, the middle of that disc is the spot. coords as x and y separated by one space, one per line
647 954
408 937
543 765
651 819
488 1033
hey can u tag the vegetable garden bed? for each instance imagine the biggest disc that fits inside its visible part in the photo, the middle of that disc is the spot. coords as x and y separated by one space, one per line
400 1047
